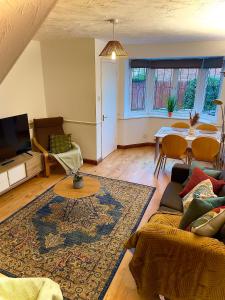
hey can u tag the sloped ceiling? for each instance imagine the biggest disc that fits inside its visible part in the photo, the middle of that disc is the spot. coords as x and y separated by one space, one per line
19 20
141 21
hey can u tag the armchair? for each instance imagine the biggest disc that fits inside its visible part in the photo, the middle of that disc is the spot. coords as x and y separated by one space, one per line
42 130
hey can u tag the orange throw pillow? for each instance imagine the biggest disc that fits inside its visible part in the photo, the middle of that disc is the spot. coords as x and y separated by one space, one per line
197 176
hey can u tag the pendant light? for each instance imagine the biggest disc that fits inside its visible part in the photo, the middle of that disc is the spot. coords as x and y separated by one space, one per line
113 48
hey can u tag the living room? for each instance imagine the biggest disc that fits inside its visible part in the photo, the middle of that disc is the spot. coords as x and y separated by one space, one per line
52 68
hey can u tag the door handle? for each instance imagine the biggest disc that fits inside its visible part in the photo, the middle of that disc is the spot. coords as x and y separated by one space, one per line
104 117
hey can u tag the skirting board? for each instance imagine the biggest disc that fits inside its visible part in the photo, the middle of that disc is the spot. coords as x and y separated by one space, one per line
92 161
135 145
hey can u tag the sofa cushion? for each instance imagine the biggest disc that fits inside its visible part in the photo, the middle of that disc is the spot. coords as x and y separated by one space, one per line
166 209
209 171
221 234
197 176
180 173
199 207
222 175
222 192
171 198
210 223
203 190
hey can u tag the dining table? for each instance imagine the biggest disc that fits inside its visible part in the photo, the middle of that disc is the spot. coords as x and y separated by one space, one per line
185 132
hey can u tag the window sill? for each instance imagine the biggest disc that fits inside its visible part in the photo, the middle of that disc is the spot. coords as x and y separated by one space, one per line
175 116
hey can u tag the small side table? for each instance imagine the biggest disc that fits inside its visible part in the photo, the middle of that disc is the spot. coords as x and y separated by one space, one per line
65 188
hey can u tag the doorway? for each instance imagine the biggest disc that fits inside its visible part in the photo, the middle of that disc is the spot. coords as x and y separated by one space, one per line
109 107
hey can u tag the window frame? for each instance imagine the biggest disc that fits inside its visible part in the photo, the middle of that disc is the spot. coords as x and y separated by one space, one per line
149 111
130 94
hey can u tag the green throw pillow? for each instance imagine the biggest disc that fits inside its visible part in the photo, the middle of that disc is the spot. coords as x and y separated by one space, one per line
60 143
211 172
210 223
199 207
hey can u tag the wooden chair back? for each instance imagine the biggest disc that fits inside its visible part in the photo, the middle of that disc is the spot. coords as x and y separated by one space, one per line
43 128
205 149
208 127
180 125
174 146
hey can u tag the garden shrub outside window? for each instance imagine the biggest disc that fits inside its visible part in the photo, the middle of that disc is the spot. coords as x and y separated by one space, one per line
194 84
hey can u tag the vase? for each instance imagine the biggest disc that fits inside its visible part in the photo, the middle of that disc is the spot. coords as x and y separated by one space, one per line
170 113
191 130
78 184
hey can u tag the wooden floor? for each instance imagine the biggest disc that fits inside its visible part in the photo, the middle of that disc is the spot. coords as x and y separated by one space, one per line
134 165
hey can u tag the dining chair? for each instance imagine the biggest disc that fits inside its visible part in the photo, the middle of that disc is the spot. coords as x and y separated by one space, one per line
208 127
180 125
205 149
173 146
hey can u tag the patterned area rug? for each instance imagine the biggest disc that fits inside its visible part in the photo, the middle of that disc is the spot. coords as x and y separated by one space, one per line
82 252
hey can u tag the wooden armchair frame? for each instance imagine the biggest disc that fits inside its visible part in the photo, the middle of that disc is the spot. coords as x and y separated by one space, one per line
42 129
45 153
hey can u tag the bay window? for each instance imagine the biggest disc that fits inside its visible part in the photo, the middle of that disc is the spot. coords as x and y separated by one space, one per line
138 90
212 90
163 87
194 83
186 89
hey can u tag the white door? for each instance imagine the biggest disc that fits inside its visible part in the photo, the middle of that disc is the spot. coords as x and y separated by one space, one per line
109 107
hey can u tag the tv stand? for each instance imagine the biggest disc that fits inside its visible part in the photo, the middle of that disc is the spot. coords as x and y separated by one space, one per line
7 162
19 169
29 153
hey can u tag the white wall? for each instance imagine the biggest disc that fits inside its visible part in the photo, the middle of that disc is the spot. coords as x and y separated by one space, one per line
70 88
142 130
137 131
22 90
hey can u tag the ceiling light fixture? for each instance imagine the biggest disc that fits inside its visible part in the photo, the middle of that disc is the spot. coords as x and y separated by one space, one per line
113 48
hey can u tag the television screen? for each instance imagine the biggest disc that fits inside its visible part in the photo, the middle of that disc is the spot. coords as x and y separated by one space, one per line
14 136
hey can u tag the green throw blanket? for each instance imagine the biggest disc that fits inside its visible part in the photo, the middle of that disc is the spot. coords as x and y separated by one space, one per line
29 289
71 160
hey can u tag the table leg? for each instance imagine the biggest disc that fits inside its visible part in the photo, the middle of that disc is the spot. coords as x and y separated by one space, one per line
156 148
66 209
92 206
69 210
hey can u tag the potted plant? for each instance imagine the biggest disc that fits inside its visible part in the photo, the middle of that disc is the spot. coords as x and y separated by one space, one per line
171 104
78 182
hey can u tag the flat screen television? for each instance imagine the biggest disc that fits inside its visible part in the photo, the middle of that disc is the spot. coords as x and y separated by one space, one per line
14 137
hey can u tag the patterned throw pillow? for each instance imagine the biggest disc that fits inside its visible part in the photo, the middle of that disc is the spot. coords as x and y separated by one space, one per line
198 208
210 223
203 190
60 143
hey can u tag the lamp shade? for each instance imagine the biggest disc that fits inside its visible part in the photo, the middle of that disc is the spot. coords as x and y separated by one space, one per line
113 46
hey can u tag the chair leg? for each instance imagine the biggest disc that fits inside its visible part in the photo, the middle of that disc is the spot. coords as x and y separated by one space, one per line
164 165
216 163
158 162
189 158
47 167
161 165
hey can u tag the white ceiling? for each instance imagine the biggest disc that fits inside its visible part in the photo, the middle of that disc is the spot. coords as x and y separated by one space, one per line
140 21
